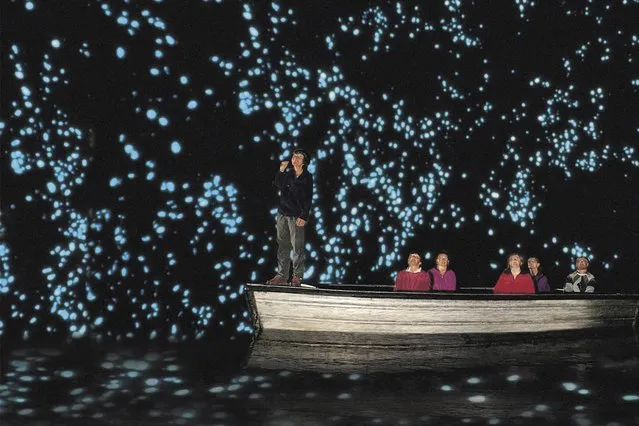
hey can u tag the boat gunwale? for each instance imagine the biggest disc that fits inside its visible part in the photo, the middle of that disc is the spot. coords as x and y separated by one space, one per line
460 295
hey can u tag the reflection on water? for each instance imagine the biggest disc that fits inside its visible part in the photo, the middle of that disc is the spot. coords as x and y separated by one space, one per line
367 353
95 385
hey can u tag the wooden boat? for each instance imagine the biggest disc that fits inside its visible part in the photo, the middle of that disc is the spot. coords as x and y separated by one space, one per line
357 328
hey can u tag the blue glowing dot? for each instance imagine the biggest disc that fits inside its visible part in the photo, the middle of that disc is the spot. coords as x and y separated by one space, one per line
184 79
152 382
163 121
29 5
151 114
67 374
279 128
51 187
55 43
176 148
120 52
169 186
192 104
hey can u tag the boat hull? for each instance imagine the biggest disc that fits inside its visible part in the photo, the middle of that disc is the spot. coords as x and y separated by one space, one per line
332 330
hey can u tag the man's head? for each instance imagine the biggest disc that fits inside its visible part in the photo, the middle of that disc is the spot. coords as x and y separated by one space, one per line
299 158
414 260
533 263
442 259
515 260
582 263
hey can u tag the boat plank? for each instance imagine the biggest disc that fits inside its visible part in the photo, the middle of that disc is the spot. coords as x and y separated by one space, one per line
347 314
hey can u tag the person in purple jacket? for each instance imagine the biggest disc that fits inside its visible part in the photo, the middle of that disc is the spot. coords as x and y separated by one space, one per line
441 277
540 280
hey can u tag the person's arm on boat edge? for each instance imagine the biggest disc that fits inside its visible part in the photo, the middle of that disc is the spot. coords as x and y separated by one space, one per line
396 286
543 286
528 286
568 288
453 280
501 283
590 287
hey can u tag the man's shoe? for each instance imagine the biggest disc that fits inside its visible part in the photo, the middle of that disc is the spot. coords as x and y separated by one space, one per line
277 280
296 281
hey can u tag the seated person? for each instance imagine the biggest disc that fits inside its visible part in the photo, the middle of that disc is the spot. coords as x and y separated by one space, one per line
580 281
412 278
442 278
513 280
540 280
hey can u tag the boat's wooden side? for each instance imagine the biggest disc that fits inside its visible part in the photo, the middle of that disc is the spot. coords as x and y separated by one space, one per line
302 329
449 314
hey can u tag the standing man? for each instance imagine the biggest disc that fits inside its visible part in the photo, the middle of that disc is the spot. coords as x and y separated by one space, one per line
580 281
296 192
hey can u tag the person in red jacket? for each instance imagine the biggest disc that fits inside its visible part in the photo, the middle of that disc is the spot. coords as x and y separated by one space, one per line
412 278
513 279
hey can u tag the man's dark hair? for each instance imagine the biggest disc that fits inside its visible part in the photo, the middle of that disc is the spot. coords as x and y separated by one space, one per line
437 253
303 153
538 261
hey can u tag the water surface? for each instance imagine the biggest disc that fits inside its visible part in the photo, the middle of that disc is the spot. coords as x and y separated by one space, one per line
206 384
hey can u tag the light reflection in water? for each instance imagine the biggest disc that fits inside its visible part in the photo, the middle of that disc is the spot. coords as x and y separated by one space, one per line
171 387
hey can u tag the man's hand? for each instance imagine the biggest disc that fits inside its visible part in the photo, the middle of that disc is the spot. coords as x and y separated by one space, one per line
300 222
283 165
